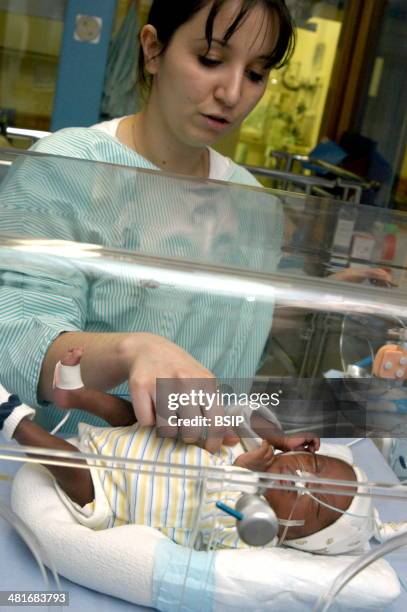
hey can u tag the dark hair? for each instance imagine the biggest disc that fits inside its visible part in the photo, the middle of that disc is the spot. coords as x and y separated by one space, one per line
167 18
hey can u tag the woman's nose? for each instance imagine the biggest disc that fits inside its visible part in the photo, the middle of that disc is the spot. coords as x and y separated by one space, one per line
229 89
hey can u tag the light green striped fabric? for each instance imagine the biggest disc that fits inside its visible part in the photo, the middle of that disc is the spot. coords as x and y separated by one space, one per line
114 205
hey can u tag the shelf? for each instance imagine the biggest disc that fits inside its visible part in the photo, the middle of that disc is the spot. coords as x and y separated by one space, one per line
30 54
53 10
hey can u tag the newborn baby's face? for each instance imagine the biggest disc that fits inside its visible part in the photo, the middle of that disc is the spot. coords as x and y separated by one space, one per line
316 516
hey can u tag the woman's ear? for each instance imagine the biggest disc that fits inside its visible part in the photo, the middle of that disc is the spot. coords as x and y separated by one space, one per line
151 48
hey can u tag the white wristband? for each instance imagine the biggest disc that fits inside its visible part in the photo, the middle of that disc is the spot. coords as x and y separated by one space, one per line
4 395
67 377
10 424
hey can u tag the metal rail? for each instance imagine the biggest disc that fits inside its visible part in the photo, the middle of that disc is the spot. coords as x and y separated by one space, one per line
311 184
23 133
338 171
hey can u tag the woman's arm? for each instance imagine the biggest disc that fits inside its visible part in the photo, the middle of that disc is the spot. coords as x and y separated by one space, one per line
141 358
101 367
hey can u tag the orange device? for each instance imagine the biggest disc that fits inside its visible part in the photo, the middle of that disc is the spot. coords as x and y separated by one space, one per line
391 362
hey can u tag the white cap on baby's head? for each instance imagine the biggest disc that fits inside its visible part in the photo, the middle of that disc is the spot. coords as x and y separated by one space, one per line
348 533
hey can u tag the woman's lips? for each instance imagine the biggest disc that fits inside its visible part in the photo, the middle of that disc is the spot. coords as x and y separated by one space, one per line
216 123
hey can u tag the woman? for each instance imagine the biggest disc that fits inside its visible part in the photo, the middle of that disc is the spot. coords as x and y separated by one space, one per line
207 64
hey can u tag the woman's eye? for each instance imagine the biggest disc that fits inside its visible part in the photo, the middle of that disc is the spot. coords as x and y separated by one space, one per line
256 77
208 61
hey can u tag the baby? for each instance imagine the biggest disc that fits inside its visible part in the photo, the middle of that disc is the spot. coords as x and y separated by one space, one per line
100 498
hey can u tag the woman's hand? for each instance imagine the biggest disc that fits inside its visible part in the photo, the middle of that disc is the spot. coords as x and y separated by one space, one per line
149 357
376 276
307 442
258 460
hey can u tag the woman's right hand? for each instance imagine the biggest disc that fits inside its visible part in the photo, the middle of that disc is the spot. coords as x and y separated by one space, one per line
149 357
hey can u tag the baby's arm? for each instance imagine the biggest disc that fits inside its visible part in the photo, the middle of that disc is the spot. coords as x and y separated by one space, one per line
258 460
115 410
75 481
280 440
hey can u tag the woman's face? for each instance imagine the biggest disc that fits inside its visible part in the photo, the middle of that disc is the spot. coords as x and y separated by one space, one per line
202 96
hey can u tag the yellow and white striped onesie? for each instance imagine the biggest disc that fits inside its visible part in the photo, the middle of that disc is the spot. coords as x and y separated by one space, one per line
146 496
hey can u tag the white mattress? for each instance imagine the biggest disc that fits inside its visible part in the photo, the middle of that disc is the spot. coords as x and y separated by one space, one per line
123 561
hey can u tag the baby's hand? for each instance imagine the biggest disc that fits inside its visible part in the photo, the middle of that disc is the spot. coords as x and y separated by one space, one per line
306 442
377 276
258 460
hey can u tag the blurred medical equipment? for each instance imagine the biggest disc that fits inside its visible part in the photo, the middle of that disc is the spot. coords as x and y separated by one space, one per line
256 523
374 377
340 183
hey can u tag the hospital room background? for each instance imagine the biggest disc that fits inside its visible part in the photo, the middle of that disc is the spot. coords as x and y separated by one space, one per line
328 142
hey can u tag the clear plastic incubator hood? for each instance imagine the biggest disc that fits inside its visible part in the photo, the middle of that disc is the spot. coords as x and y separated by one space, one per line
297 305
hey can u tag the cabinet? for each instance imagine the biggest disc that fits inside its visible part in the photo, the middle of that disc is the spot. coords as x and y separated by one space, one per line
53 56
30 43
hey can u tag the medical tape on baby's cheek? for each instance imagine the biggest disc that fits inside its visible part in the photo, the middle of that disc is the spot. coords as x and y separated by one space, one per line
288 522
298 485
302 486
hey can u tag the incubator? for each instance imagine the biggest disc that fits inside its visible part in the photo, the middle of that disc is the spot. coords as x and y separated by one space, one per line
252 283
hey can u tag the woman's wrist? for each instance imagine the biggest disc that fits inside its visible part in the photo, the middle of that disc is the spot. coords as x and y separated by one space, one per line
132 346
279 441
268 431
128 348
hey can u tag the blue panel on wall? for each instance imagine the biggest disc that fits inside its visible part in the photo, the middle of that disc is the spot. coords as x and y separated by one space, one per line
85 45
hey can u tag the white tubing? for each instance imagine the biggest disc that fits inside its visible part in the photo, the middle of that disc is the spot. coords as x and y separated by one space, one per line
61 423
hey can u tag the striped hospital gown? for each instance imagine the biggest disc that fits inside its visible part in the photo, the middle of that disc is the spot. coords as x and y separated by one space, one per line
175 506
151 213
